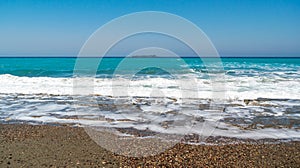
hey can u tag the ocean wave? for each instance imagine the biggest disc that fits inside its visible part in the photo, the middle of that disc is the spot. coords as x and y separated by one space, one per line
243 87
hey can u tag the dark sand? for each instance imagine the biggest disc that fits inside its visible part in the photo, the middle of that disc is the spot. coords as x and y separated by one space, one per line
53 146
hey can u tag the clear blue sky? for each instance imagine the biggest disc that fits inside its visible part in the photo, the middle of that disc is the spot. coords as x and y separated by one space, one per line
237 28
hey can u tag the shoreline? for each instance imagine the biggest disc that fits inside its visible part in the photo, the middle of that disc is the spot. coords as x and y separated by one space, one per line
63 146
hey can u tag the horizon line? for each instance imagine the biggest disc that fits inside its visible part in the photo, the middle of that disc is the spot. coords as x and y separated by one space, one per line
70 56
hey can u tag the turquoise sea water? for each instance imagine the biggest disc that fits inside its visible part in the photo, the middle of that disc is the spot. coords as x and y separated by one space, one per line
63 67
261 95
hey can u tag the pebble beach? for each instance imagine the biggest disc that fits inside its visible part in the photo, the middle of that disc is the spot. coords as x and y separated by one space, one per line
63 146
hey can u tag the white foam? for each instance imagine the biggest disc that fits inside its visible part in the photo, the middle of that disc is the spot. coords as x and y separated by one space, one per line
232 87
51 109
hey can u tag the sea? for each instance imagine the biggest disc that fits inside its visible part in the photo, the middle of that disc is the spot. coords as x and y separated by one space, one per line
244 98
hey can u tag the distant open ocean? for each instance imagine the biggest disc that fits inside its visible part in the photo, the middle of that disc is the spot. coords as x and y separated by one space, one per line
262 97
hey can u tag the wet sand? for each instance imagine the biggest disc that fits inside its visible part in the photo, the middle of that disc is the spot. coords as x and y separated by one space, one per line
63 146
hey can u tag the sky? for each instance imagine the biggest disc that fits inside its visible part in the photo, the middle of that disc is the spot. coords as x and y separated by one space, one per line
235 27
